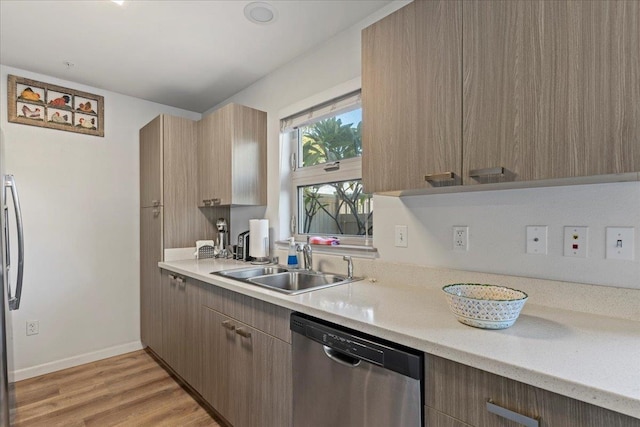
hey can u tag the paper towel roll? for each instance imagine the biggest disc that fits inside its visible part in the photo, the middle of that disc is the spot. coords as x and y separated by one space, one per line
259 238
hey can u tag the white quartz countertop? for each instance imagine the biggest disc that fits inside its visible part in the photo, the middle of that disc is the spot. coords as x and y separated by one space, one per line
592 358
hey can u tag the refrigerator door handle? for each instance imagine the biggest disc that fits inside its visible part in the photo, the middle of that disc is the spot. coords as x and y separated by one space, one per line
9 182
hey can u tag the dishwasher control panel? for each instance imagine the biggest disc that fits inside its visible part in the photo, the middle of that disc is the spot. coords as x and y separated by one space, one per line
361 346
346 345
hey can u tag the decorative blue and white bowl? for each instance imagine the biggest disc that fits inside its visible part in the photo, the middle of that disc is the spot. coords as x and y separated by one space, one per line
485 306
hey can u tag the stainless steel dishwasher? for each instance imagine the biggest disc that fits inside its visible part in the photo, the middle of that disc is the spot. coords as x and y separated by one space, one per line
342 378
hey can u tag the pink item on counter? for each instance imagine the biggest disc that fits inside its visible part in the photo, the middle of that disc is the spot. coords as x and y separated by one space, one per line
317 240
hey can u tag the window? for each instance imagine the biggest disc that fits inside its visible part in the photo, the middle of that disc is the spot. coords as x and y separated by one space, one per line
326 178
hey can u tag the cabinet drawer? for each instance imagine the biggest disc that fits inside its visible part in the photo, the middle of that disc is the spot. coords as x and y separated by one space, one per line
462 392
266 317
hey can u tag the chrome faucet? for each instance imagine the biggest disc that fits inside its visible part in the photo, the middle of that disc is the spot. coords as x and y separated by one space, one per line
349 266
307 255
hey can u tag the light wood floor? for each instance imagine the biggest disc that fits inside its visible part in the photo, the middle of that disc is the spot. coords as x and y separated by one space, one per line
127 390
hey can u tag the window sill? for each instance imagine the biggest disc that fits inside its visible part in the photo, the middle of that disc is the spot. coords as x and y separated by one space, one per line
359 251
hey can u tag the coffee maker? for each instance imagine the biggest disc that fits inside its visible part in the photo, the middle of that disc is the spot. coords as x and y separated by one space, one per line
242 250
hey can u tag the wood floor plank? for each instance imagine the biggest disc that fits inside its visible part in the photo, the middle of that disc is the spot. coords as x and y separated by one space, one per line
127 390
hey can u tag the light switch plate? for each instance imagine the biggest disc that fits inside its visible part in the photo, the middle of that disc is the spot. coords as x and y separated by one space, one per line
620 243
401 236
576 240
537 239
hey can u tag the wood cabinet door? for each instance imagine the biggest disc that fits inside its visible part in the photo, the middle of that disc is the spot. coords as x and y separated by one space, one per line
551 89
150 278
248 173
151 164
174 321
462 392
411 97
184 224
214 158
218 349
246 374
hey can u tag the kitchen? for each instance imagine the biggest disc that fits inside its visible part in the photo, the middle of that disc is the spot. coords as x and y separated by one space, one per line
80 200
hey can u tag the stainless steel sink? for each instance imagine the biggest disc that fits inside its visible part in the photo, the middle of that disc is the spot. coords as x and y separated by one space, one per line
281 279
246 273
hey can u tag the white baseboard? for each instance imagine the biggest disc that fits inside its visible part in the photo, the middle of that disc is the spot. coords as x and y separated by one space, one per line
70 362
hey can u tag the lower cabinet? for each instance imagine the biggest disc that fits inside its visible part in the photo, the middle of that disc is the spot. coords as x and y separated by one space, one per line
246 373
456 395
180 321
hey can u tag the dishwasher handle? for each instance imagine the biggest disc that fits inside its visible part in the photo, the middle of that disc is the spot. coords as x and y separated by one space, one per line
341 358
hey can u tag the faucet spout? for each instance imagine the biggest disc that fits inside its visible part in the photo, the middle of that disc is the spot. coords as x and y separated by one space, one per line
349 266
307 255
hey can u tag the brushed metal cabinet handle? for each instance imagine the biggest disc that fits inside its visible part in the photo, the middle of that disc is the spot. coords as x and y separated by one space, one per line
206 202
442 176
228 325
511 416
155 203
475 173
216 201
243 333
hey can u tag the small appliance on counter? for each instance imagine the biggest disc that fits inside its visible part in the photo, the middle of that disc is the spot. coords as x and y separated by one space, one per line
223 239
204 249
242 250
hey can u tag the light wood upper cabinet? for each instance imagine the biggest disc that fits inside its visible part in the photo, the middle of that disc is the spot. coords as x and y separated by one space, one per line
523 91
551 89
232 157
411 97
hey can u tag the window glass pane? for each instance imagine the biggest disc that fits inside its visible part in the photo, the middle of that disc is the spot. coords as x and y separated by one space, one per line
335 208
331 139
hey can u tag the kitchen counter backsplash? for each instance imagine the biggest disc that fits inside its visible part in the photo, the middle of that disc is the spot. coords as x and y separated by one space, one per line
623 303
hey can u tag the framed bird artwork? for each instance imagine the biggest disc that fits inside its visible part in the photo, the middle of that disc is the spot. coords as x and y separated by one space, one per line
41 104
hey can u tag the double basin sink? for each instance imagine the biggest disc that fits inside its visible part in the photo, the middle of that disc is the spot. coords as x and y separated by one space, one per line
289 281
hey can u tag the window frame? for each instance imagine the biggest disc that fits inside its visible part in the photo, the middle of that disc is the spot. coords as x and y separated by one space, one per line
349 170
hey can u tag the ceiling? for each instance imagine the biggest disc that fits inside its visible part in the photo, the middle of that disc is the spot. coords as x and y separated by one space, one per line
187 54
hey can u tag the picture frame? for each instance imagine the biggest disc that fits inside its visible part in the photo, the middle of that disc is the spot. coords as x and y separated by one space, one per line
35 103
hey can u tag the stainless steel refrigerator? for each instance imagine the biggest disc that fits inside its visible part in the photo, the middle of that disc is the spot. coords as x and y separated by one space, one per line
10 219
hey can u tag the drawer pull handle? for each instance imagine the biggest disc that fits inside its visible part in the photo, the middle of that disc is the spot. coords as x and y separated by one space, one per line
444 176
512 416
155 203
226 324
206 202
179 279
172 277
243 333
216 201
477 173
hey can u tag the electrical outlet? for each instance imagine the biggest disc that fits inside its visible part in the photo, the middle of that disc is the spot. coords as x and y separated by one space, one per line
620 243
537 239
33 327
401 237
461 238
576 241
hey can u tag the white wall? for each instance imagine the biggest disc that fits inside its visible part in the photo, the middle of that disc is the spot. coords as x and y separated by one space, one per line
80 201
497 219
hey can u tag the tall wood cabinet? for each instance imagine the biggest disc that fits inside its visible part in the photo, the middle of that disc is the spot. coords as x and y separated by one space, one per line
523 91
411 97
169 217
232 157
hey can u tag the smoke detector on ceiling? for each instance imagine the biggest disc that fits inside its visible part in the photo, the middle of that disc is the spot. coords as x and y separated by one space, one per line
260 13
